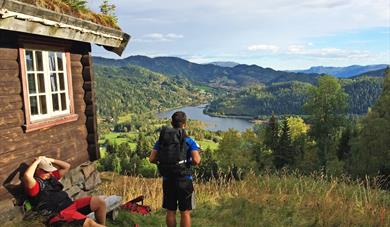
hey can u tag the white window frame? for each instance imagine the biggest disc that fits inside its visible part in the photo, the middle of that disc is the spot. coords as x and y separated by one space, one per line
51 117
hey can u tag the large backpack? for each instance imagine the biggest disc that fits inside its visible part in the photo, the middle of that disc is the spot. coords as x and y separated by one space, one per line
173 160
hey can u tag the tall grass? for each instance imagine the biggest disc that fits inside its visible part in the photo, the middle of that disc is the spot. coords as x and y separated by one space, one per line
271 199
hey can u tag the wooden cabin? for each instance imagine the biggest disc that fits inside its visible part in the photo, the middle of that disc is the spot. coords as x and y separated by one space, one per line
47 97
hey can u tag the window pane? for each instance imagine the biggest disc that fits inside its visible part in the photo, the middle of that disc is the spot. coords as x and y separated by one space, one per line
31 83
56 106
38 55
63 101
33 105
62 82
53 82
41 83
52 61
42 104
60 61
29 60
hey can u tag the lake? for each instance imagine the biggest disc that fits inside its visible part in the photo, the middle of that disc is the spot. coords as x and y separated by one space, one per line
212 123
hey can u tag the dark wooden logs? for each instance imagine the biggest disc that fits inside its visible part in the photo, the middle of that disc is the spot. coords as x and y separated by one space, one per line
10 88
9 75
9 65
75 142
8 53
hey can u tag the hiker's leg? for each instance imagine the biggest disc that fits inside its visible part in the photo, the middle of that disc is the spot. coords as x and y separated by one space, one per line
171 218
98 206
91 223
185 219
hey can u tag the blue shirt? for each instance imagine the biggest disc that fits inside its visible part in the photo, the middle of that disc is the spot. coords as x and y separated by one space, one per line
192 147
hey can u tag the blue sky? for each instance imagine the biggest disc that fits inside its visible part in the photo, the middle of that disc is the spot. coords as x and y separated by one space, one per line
281 34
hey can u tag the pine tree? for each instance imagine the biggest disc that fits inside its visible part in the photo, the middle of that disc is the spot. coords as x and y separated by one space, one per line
284 154
271 139
344 149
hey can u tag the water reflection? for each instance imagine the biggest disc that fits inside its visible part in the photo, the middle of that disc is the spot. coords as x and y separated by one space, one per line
212 123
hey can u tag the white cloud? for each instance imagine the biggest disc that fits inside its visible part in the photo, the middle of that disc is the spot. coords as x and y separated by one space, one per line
211 28
200 59
174 36
264 47
296 48
325 3
328 52
159 37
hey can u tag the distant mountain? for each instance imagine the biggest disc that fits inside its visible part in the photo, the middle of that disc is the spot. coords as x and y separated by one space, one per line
376 73
229 64
342 72
214 75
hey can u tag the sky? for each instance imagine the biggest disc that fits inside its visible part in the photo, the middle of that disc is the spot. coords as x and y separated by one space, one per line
280 34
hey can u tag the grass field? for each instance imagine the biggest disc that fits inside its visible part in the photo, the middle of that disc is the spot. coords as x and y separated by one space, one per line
118 138
266 200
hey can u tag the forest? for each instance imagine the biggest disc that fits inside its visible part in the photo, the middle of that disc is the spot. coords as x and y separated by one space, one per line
287 98
334 126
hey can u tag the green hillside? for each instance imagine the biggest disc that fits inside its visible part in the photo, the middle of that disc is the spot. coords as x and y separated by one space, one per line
129 85
288 98
139 90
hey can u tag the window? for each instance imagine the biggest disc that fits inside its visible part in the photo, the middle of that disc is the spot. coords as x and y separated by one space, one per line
46 87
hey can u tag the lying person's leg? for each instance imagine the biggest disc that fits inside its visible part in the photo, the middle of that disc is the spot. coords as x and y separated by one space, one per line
94 204
91 223
98 206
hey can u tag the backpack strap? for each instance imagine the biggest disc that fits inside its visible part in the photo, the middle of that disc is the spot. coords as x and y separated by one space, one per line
162 133
42 185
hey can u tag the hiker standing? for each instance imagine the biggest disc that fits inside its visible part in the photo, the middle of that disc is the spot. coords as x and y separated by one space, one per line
174 154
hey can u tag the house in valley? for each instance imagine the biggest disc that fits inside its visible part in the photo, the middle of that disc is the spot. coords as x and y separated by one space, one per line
47 98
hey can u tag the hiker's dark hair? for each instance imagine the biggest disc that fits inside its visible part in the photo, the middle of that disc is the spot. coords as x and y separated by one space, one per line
179 118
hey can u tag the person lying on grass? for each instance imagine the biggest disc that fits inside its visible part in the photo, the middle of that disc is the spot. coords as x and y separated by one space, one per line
45 193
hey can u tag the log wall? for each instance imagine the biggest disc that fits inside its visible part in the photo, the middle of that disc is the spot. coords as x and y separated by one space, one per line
74 142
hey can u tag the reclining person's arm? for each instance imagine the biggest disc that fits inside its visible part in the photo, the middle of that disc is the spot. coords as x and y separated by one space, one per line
28 176
64 167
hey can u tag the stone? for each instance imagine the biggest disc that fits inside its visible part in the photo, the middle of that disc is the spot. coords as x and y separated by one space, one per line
6 205
92 181
73 191
88 170
66 181
11 216
77 177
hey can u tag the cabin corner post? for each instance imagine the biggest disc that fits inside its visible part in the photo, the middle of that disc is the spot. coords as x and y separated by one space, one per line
90 112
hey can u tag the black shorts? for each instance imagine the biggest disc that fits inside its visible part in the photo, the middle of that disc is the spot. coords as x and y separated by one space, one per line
178 192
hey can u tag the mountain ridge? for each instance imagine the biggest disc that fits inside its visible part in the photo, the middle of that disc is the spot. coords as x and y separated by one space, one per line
342 72
207 73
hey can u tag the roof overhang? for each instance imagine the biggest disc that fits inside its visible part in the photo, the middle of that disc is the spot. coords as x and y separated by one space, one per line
26 18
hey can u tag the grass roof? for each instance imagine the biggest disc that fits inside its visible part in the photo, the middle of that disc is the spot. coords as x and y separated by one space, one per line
77 9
